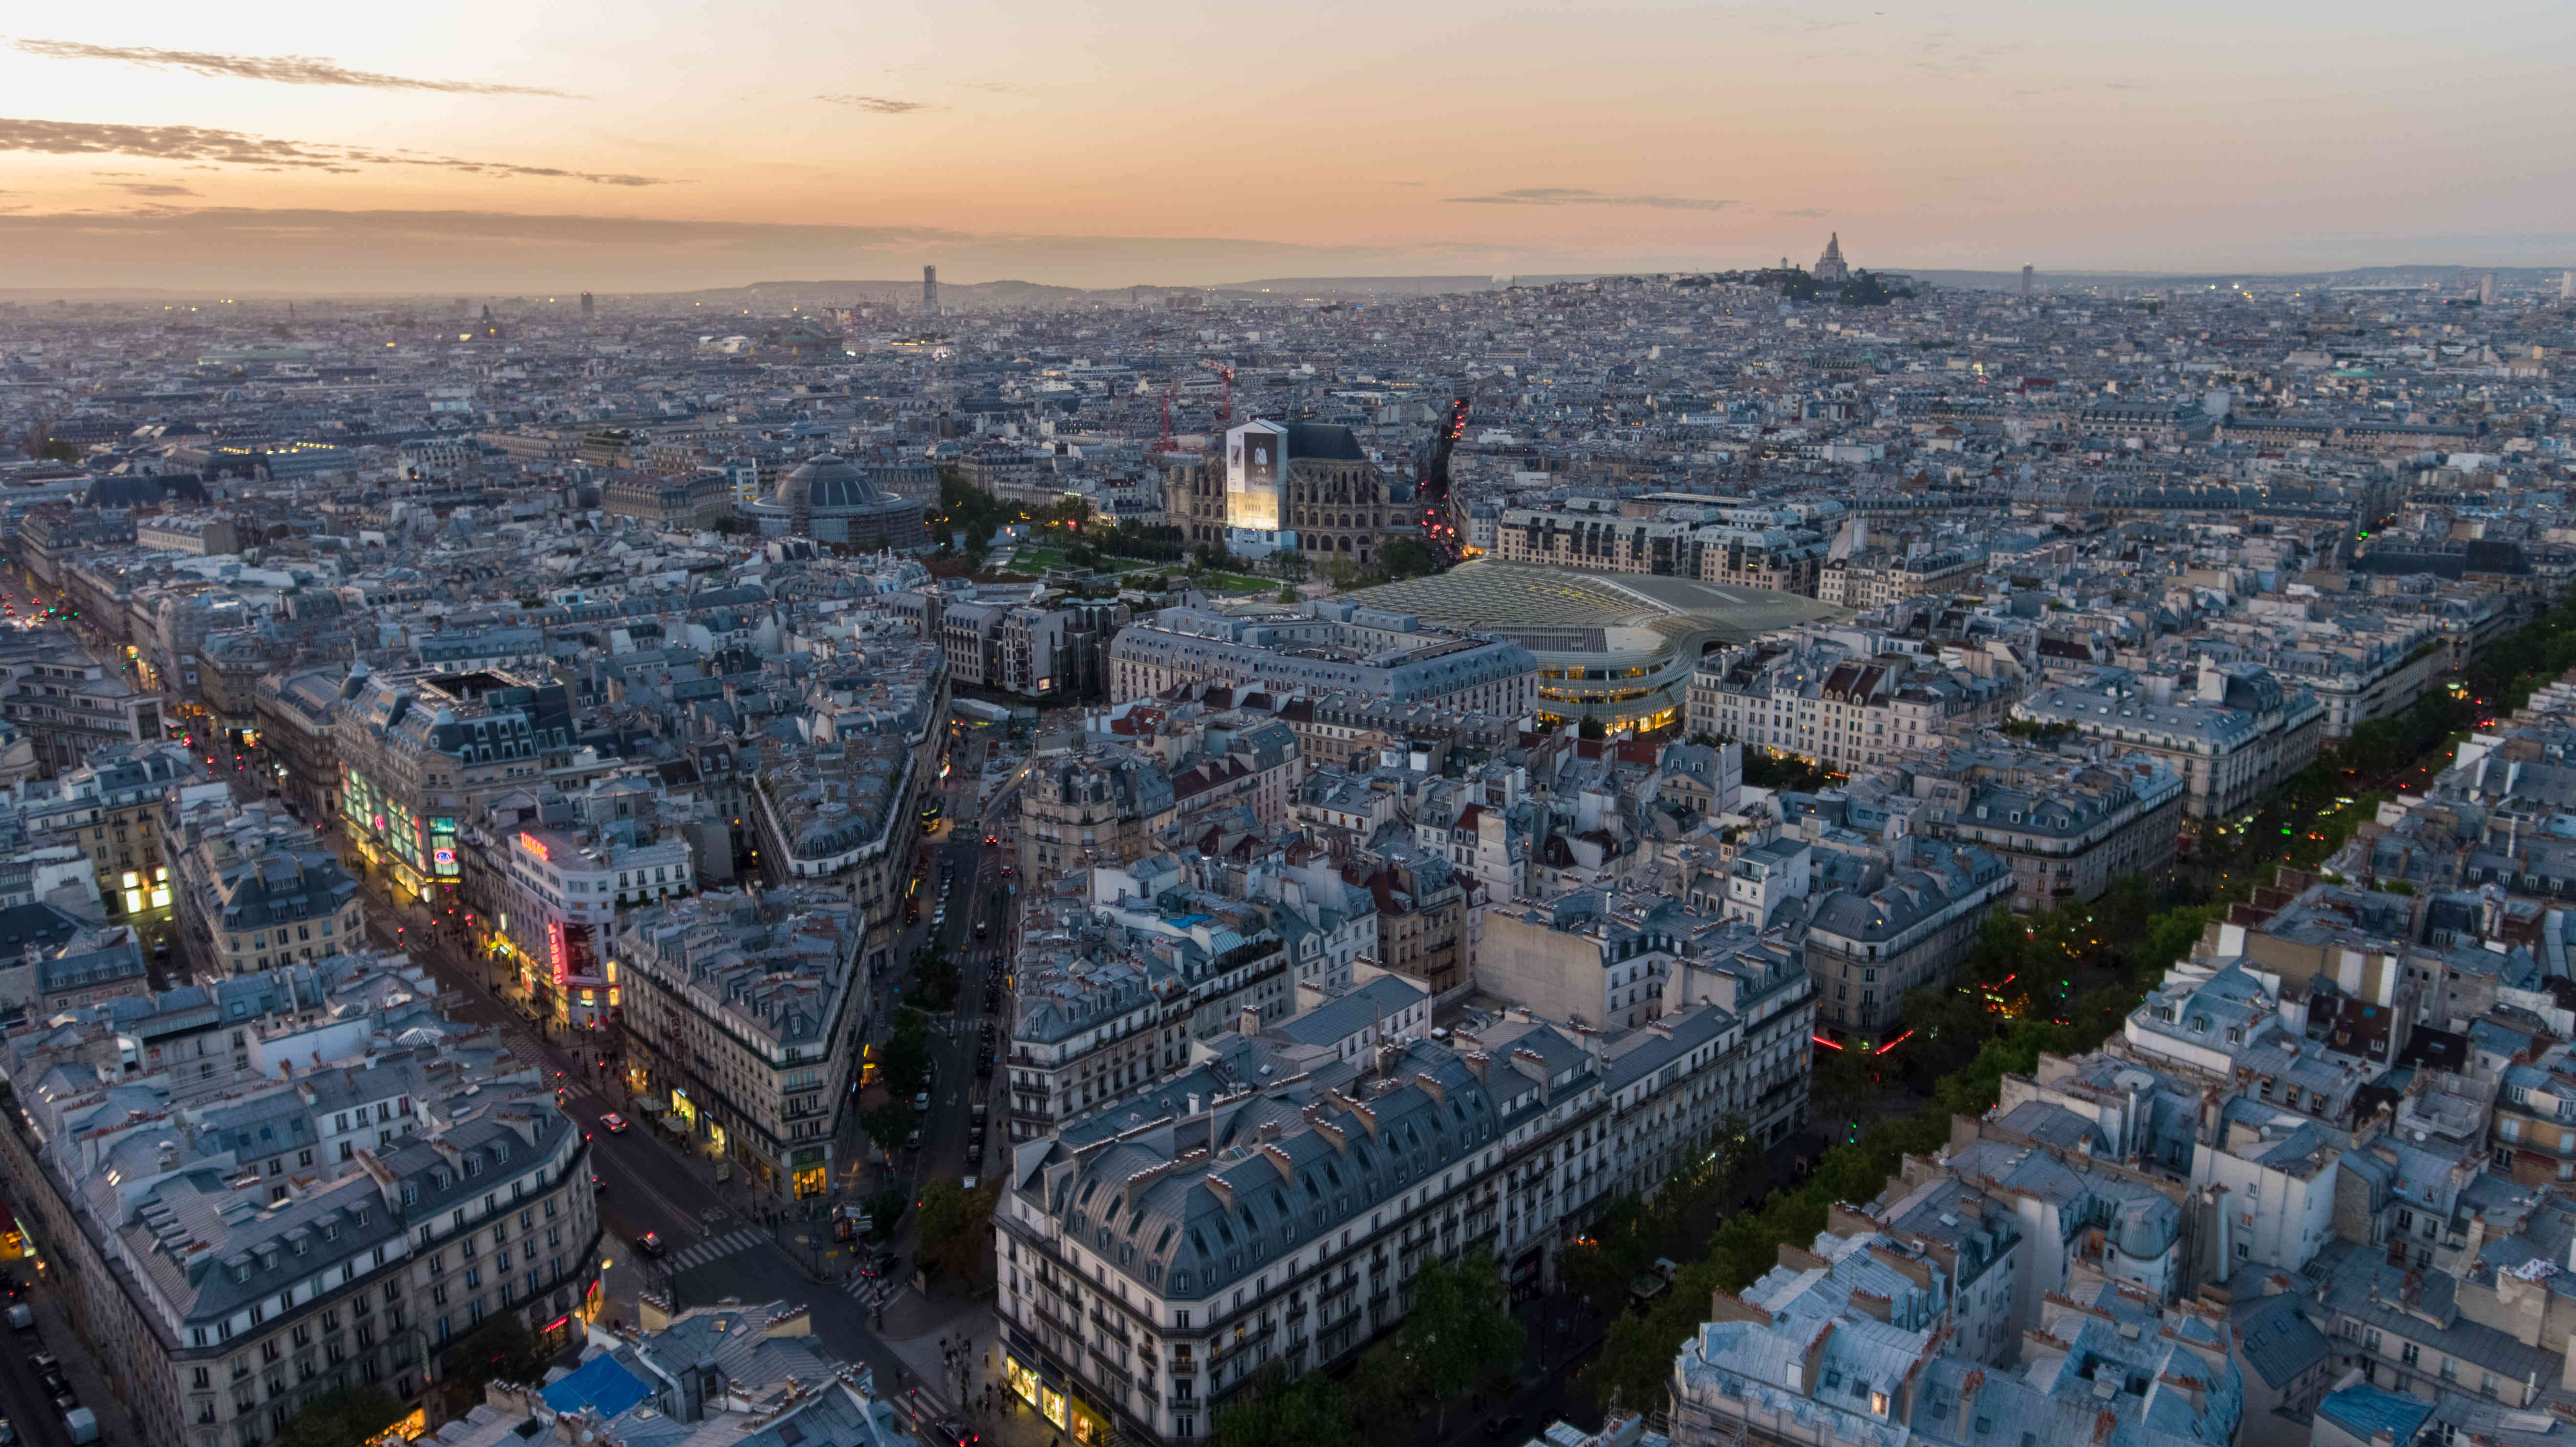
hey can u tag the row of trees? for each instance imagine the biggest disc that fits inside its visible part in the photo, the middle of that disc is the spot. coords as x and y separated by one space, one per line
935 982
1457 1339
954 1231
905 1069
1971 1042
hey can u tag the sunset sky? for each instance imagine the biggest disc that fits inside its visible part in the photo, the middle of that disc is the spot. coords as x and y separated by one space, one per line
646 145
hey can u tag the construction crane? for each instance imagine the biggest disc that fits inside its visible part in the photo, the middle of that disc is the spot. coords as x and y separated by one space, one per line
1431 486
1225 402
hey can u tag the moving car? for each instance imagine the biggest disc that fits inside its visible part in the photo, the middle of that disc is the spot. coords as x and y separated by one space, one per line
616 1123
650 1243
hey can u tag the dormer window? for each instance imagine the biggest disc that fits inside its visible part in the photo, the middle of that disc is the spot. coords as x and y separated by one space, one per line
411 1195
440 1178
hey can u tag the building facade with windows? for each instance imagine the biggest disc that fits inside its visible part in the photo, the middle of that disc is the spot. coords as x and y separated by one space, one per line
419 756
1268 1208
256 889
1318 648
500 1216
2231 732
113 808
71 704
744 1016
554 897
229 1264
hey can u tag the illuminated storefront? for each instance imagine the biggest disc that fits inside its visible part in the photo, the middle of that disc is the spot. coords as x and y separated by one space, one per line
417 850
559 923
1044 1390
140 893
812 1173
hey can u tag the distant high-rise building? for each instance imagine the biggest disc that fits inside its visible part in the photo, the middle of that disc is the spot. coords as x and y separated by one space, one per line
2567 286
930 291
2486 289
2025 281
1830 267
589 305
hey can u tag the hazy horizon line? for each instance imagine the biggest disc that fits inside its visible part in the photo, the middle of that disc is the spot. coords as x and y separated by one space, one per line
1261 285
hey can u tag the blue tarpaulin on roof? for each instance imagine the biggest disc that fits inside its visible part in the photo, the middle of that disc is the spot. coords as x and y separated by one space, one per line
602 1383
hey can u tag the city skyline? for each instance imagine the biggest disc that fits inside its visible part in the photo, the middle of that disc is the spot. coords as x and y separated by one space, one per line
652 148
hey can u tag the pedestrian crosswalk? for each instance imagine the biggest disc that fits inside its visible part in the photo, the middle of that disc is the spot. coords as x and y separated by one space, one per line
722 1246
871 1291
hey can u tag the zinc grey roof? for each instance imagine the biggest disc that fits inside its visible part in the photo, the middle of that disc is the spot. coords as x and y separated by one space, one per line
2053 1125
197 1235
2420 1307
2279 1341
1279 1167
1346 1015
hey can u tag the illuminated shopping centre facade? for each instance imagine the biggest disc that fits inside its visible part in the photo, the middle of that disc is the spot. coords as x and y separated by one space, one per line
1617 648
420 755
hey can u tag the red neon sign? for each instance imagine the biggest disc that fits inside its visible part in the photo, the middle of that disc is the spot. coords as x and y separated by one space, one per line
1821 1040
1892 1044
560 953
530 844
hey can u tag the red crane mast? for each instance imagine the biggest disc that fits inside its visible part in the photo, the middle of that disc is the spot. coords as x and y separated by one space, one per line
1225 401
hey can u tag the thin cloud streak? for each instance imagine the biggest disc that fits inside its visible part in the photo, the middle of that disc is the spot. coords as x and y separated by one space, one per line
1577 196
879 105
239 148
279 69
